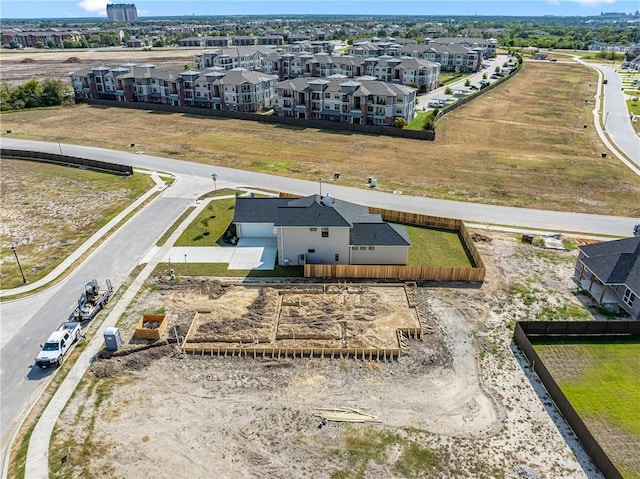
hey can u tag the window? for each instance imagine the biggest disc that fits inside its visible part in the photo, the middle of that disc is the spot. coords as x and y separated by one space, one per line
325 232
363 248
311 250
337 257
313 229
371 248
629 297
354 248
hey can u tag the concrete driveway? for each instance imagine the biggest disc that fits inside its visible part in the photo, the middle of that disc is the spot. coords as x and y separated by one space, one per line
254 253
249 253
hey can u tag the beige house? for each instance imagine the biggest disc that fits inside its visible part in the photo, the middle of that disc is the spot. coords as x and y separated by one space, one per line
322 230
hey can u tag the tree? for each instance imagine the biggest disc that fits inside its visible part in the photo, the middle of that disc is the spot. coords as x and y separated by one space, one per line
54 92
467 83
30 93
429 123
448 91
400 123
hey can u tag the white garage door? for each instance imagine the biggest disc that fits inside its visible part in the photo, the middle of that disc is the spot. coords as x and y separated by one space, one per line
256 230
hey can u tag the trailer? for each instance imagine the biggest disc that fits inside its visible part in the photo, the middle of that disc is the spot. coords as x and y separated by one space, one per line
93 300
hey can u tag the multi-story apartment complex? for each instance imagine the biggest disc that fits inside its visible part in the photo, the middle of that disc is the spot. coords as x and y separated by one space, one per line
367 102
449 57
464 53
233 57
122 13
405 70
235 90
32 38
358 101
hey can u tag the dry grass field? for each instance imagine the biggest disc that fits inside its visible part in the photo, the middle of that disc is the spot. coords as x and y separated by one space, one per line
48 211
522 144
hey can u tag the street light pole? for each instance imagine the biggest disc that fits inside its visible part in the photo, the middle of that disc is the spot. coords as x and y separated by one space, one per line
604 127
320 180
24 280
59 146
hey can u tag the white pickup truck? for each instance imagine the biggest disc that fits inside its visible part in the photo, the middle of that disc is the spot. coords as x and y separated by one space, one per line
58 344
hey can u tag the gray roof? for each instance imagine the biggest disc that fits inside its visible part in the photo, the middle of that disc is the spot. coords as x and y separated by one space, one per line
257 210
309 211
378 234
615 262
241 77
366 229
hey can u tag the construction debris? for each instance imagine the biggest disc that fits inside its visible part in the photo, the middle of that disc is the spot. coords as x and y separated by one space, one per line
344 414
479 238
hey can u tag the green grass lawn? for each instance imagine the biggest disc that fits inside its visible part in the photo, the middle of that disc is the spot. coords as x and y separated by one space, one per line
601 379
417 122
435 247
220 269
207 229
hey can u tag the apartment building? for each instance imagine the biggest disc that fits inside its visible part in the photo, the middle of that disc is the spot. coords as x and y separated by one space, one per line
235 90
449 57
233 57
352 101
31 38
122 13
406 70
487 46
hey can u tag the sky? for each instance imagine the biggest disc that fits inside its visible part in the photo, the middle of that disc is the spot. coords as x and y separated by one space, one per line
157 8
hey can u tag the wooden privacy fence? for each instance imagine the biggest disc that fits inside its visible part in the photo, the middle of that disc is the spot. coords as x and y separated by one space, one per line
476 272
571 331
67 160
426 273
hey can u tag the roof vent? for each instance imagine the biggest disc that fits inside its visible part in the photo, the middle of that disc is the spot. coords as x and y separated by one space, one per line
326 201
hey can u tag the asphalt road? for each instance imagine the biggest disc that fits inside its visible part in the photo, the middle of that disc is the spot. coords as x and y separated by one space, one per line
616 118
34 317
27 322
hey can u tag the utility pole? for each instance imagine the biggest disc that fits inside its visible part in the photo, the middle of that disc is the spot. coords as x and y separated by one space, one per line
24 280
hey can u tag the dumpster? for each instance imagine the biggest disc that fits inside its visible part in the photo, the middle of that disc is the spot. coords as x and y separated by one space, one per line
373 182
112 338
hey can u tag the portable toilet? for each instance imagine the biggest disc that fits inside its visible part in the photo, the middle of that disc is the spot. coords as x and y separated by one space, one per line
112 338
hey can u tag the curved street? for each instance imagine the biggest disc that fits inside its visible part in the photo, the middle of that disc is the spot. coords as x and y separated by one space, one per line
27 322
615 117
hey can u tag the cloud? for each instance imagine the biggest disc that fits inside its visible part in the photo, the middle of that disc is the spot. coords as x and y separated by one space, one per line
98 7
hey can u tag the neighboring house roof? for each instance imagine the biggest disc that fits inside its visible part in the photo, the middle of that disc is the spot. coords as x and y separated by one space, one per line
615 262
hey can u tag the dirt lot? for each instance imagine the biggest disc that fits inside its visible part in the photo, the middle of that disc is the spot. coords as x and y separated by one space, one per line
459 404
